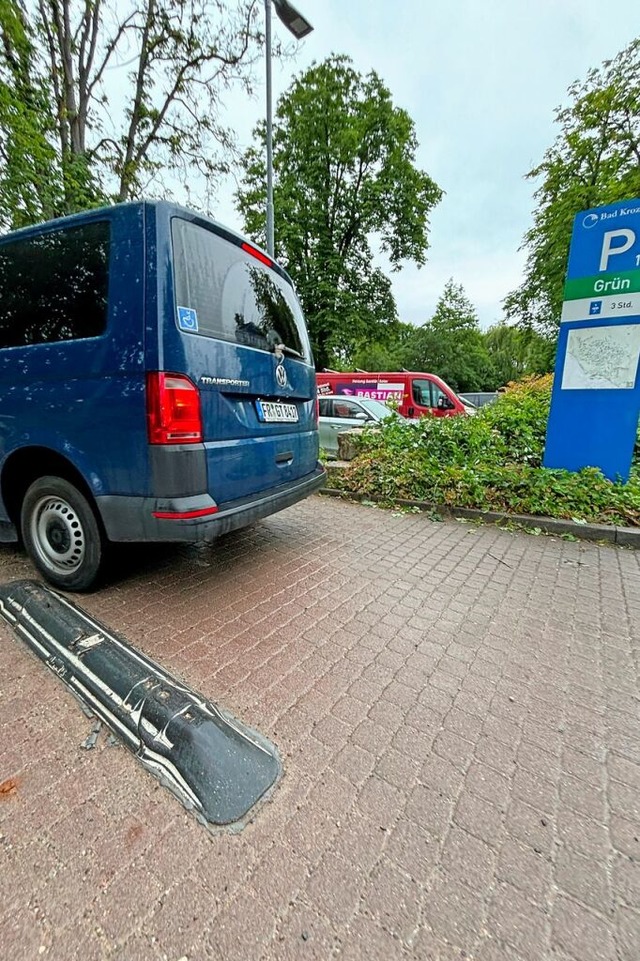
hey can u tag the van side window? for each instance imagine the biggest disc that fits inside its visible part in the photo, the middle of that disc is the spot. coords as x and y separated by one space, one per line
235 297
421 390
440 399
54 286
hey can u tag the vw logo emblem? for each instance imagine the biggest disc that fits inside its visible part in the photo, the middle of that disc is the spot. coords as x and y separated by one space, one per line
281 375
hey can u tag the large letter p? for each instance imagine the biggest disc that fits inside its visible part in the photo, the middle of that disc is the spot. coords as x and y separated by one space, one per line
609 251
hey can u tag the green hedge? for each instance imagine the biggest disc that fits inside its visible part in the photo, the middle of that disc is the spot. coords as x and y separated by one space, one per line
491 461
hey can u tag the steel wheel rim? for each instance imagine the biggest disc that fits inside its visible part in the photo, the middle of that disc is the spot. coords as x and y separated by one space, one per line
58 535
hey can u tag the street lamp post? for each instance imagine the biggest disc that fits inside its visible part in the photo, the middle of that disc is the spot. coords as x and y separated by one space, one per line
299 27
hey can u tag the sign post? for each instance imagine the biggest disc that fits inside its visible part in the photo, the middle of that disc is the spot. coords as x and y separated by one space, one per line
596 391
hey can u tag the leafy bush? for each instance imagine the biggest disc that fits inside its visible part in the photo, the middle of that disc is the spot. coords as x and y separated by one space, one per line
491 461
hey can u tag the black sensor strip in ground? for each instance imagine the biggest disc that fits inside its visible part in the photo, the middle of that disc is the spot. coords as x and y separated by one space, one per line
214 764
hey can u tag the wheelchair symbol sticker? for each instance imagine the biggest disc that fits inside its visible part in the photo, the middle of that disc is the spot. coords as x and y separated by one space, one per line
188 319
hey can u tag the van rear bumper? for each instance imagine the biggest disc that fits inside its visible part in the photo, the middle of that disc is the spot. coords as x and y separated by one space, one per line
127 518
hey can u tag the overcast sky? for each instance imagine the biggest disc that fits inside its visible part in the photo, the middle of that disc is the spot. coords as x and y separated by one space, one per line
481 82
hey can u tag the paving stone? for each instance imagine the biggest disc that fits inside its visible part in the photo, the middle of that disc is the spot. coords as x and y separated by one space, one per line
622 769
625 836
441 775
624 799
458 750
413 849
398 769
582 797
538 761
354 763
278 877
497 754
516 922
458 720
335 887
453 912
586 880
629 927
530 826
582 766
365 938
480 818
489 784
185 906
581 933
430 947
468 859
379 801
583 835
431 809
241 931
535 790
492 950
626 879
393 898
525 869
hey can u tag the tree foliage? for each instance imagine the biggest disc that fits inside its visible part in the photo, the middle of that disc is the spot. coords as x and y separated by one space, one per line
384 355
451 344
594 160
344 173
515 352
29 171
96 101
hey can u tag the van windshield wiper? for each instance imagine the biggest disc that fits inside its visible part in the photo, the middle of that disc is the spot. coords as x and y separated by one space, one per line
283 349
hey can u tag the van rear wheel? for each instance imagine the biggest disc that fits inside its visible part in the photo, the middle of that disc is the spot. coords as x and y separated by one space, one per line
61 534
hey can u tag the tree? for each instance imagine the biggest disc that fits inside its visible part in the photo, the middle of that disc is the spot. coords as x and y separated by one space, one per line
344 172
451 344
516 351
62 63
386 355
594 160
29 174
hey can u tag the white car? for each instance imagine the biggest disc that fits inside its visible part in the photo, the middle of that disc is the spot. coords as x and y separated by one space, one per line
339 413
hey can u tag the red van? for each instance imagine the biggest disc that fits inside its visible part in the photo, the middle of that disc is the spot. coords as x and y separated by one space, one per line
414 393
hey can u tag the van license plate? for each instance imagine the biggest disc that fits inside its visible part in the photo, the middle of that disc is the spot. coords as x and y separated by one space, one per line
273 413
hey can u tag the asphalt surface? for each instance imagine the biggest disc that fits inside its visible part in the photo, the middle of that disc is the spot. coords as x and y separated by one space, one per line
458 713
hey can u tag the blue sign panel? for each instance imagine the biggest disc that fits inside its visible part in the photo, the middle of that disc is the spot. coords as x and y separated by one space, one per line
596 393
605 239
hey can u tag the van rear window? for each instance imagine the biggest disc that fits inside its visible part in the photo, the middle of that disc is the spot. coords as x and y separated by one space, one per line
234 296
54 286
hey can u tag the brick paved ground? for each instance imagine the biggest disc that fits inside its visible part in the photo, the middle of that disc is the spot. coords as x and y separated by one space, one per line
458 713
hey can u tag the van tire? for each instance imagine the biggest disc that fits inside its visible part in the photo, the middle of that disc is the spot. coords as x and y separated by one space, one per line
61 534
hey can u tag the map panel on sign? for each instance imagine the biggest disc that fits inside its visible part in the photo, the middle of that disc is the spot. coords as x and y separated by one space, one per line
602 358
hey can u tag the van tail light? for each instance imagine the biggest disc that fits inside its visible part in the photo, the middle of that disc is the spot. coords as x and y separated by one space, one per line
173 409
317 409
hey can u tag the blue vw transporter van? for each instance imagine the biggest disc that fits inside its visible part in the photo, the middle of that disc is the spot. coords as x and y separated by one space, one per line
156 384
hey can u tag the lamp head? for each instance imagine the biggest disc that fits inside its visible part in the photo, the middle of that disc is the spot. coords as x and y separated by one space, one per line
292 19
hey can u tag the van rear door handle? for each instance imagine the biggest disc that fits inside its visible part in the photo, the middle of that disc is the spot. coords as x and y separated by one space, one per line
285 457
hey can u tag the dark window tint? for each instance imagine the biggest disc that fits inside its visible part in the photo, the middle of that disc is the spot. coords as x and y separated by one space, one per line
54 286
346 408
422 393
235 297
